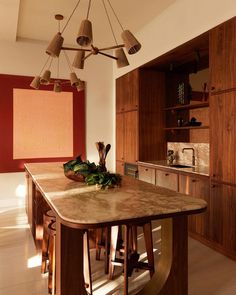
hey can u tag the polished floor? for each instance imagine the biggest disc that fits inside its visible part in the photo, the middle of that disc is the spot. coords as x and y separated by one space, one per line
210 273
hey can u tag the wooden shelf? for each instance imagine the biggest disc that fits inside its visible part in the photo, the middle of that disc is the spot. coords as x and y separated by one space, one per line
187 128
188 106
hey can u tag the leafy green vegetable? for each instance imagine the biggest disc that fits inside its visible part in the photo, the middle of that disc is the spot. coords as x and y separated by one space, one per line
80 167
105 179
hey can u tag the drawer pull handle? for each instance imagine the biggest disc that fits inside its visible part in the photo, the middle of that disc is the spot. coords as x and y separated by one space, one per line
213 186
146 169
167 174
194 180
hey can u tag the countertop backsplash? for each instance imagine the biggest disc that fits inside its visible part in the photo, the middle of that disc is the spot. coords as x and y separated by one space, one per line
201 153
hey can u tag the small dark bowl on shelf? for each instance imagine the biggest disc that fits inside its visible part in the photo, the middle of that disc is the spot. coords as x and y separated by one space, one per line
196 123
74 176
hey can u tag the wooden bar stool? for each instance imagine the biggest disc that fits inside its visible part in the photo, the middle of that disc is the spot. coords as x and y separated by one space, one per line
103 242
131 256
52 261
48 217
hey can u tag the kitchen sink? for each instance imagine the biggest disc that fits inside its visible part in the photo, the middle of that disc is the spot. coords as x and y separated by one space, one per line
180 166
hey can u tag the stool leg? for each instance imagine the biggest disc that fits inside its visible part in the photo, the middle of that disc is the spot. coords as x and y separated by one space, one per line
44 247
107 239
147 231
54 266
50 265
98 242
87 263
126 257
134 238
114 238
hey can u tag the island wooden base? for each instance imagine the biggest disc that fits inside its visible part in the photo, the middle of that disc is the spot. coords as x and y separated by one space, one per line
171 276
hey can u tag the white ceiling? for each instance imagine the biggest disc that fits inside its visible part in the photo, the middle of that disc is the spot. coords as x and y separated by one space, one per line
34 20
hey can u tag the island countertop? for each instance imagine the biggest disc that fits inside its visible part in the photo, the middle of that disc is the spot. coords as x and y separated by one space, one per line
89 206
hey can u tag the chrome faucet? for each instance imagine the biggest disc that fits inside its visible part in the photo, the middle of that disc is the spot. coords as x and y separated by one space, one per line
193 156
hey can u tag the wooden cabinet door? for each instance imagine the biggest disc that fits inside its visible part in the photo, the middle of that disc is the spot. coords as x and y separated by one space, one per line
223 218
222 56
167 179
121 94
127 91
198 188
223 137
120 167
120 137
131 137
147 174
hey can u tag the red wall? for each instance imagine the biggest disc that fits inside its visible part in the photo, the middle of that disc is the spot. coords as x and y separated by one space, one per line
7 84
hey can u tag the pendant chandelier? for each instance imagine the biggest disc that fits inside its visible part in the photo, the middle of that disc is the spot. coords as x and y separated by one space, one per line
85 50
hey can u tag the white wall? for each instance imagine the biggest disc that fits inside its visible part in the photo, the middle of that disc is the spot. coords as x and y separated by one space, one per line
24 58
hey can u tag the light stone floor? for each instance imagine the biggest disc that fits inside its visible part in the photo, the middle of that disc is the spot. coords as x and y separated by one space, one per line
210 273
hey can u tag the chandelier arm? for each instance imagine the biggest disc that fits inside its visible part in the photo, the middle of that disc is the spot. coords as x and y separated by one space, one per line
112 47
108 55
75 49
73 11
87 56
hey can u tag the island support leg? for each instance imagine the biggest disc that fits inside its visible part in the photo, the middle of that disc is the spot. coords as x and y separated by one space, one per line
69 261
171 276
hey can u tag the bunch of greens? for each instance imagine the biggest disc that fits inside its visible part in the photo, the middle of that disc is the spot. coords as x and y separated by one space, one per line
105 179
80 167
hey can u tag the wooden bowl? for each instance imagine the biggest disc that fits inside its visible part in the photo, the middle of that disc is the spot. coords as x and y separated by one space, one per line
74 176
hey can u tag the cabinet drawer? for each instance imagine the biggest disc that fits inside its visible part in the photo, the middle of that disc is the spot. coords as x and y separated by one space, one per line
147 174
167 179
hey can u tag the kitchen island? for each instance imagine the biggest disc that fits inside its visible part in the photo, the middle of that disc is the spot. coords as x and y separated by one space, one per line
79 207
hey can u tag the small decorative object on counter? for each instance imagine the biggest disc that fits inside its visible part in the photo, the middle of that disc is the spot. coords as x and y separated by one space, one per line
78 169
102 152
170 157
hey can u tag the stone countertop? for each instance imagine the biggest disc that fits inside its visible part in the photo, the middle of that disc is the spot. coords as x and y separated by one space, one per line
83 205
201 170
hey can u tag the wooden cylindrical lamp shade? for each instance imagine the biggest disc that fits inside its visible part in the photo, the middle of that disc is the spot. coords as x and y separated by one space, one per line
122 60
131 43
35 83
54 47
57 86
45 79
81 86
85 35
74 81
78 62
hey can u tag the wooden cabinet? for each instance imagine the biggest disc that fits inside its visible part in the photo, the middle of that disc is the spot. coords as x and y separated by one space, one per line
127 92
131 137
140 116
167 179
223 137
147 174
120 167
222 217
199 188
120 137
127 137
222 40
